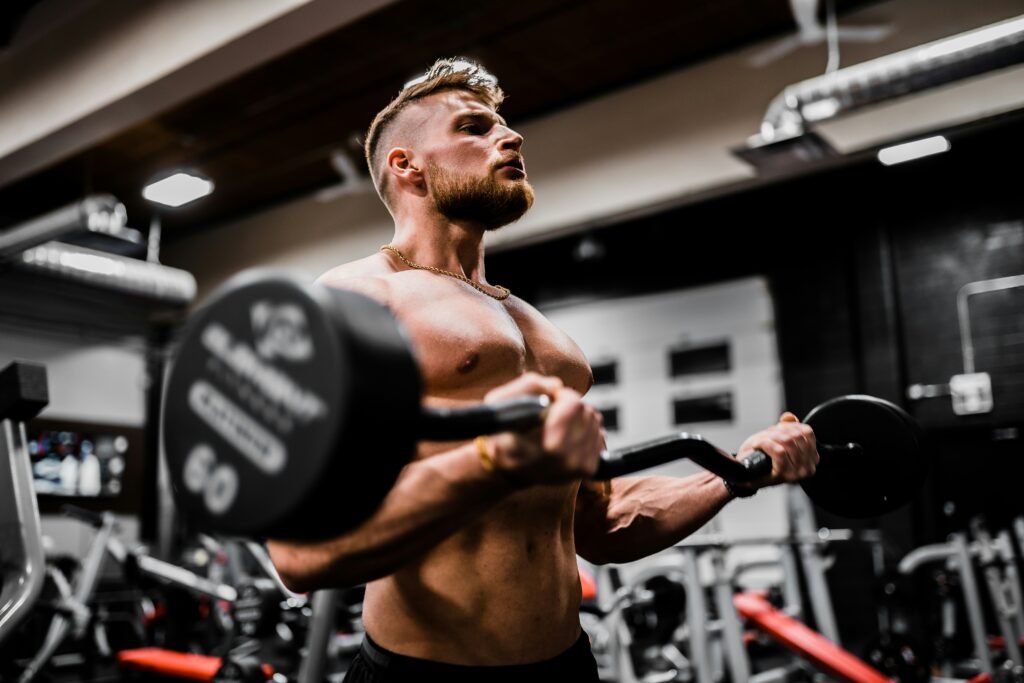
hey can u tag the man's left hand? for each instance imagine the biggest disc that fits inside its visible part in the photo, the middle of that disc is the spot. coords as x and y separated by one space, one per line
791 447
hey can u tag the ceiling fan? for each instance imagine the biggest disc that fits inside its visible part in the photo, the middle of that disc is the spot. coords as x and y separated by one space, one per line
811 31
351 180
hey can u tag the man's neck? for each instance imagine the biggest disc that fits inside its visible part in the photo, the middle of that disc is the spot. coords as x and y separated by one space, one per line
438 242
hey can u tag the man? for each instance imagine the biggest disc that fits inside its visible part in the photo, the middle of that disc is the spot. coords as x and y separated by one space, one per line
471 559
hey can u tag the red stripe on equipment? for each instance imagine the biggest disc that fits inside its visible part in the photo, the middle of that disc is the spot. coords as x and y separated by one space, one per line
809 644
170 663
588 585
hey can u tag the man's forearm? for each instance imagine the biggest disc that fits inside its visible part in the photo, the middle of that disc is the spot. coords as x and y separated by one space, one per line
431 500
644 515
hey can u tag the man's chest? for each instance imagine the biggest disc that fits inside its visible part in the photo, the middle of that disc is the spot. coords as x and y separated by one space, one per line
466 345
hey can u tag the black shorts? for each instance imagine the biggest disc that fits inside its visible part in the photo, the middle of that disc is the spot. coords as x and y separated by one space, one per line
374 664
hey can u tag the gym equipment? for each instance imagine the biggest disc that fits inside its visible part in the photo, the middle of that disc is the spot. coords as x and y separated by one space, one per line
671 615
84 243
255 608
899 657
876 479
799 554
194 667
1000 591
963 557
72 615
823 653
23 394
100 214
291 408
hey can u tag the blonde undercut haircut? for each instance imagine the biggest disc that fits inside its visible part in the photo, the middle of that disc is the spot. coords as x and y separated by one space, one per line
454 73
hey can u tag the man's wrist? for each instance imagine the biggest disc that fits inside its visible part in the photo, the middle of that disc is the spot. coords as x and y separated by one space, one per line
483 452
738 490
487 452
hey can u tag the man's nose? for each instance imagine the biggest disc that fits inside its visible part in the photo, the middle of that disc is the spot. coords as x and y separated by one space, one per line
511 140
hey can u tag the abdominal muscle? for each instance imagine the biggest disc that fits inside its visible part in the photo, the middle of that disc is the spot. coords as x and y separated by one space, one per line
503 590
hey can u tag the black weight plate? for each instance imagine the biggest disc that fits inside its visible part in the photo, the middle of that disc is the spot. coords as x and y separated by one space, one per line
252 406
885 473
378 437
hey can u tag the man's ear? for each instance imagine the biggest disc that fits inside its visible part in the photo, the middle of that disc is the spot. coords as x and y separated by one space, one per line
403 167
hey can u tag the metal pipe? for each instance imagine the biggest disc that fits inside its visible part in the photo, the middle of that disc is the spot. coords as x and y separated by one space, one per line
313 667
732 630
972 599
82 593
968 290
21 531
696 617
179 576
998 592
919 68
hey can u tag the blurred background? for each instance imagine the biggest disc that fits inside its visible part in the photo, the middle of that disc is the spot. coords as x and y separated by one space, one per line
731 219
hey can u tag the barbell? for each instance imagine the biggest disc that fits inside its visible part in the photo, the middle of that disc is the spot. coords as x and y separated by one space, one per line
290 408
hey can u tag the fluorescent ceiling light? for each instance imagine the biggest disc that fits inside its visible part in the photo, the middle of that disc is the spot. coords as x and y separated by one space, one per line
178 189
897 154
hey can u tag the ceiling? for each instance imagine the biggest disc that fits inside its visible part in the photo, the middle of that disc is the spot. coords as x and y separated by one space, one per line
12 13
267 136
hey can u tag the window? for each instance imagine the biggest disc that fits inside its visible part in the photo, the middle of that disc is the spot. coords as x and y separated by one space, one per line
695 360
711 408
606 372
611 418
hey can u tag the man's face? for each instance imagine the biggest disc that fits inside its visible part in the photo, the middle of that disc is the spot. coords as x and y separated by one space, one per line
473 163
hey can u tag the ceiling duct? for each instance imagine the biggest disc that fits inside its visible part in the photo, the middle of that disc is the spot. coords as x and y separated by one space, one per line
787 121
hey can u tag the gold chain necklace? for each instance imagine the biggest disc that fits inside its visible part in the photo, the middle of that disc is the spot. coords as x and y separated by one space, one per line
504 291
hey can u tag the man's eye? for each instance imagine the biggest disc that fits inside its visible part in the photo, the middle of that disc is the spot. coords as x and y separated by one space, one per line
473 128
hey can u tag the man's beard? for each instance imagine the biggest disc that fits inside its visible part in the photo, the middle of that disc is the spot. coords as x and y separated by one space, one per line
481 200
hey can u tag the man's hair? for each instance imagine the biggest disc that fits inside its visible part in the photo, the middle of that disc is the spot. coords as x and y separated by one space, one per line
455 73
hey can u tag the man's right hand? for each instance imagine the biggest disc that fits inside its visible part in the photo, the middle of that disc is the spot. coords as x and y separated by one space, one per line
566 447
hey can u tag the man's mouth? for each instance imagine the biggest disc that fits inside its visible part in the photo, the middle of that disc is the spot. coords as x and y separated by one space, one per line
514 162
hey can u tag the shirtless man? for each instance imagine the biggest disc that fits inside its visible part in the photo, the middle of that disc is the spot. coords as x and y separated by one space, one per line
471 559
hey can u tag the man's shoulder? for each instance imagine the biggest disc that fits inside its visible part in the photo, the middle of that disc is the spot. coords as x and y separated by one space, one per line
369 276
525 309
